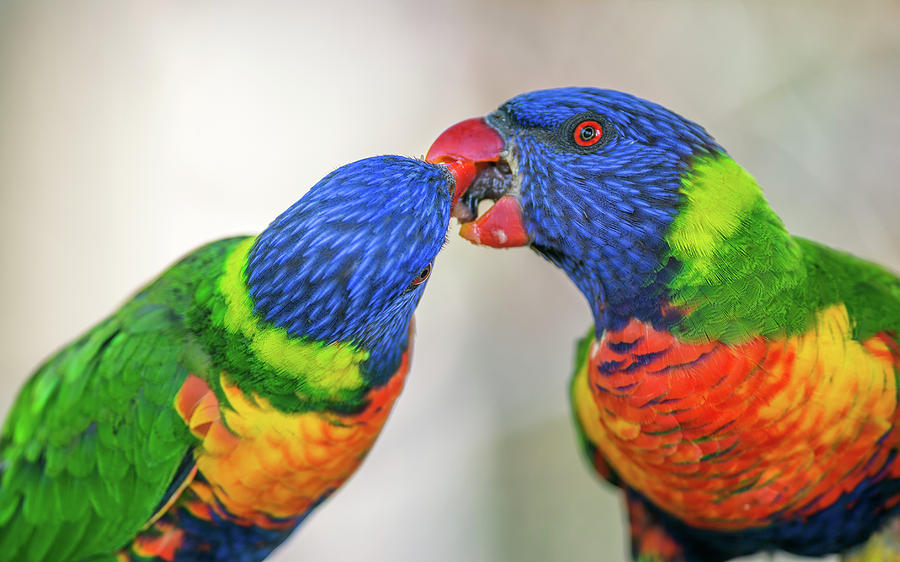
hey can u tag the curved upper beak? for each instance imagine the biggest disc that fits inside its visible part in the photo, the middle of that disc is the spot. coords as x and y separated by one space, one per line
462 147
466 149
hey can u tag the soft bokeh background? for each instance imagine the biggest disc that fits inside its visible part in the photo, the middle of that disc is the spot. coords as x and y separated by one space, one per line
132 132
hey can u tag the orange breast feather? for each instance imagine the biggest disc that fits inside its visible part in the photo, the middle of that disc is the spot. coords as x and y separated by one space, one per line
266 467
725 436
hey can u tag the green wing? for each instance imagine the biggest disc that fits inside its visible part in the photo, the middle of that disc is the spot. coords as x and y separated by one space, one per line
93 442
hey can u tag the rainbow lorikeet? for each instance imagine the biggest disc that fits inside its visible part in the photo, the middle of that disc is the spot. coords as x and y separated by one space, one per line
739 384
210 414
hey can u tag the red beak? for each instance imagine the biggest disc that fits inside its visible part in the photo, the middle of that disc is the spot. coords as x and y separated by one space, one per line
465 148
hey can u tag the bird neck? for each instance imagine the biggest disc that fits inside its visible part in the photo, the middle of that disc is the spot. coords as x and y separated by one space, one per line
723 268
293 373
737 264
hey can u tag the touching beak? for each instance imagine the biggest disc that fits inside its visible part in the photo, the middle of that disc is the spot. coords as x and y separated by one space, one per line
468 148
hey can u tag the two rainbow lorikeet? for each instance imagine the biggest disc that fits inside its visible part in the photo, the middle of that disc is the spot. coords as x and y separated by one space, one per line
739 384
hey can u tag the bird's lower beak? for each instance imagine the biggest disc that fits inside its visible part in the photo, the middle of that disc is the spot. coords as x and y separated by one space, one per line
473 150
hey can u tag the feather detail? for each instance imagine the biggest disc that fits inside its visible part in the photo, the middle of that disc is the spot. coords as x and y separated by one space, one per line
729 437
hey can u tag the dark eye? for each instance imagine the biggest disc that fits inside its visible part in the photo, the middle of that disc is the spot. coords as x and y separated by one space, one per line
588 133
422 276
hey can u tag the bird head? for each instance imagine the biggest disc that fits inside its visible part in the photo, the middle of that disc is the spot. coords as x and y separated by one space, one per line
350 260
596 180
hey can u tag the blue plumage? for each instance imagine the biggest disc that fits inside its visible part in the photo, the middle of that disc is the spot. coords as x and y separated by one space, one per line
614 257
321 269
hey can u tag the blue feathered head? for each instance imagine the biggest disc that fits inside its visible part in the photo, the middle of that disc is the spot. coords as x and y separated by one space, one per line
349 261
590 178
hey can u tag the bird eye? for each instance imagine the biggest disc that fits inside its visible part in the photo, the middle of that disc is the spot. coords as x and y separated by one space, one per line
588 133
422 276
584 133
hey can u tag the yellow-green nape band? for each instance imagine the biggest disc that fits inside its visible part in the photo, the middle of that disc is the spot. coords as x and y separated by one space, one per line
718 194
330 367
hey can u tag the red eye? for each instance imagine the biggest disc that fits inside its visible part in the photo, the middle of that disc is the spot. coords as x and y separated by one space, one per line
422 276
588 133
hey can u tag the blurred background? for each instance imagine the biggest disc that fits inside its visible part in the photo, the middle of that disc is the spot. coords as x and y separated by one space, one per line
132 132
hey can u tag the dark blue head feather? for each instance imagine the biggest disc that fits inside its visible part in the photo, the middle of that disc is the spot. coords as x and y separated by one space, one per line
601 213
340 264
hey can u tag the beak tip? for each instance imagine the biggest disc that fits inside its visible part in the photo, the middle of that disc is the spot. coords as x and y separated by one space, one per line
463 172
470 232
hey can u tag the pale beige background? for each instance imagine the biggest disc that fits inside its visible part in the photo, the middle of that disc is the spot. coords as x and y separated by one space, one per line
132 132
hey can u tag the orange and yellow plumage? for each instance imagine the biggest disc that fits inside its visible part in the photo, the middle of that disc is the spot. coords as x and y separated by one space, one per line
730 436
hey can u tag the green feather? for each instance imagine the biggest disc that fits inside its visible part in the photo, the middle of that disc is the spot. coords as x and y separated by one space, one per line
742 274
70 535
93 440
